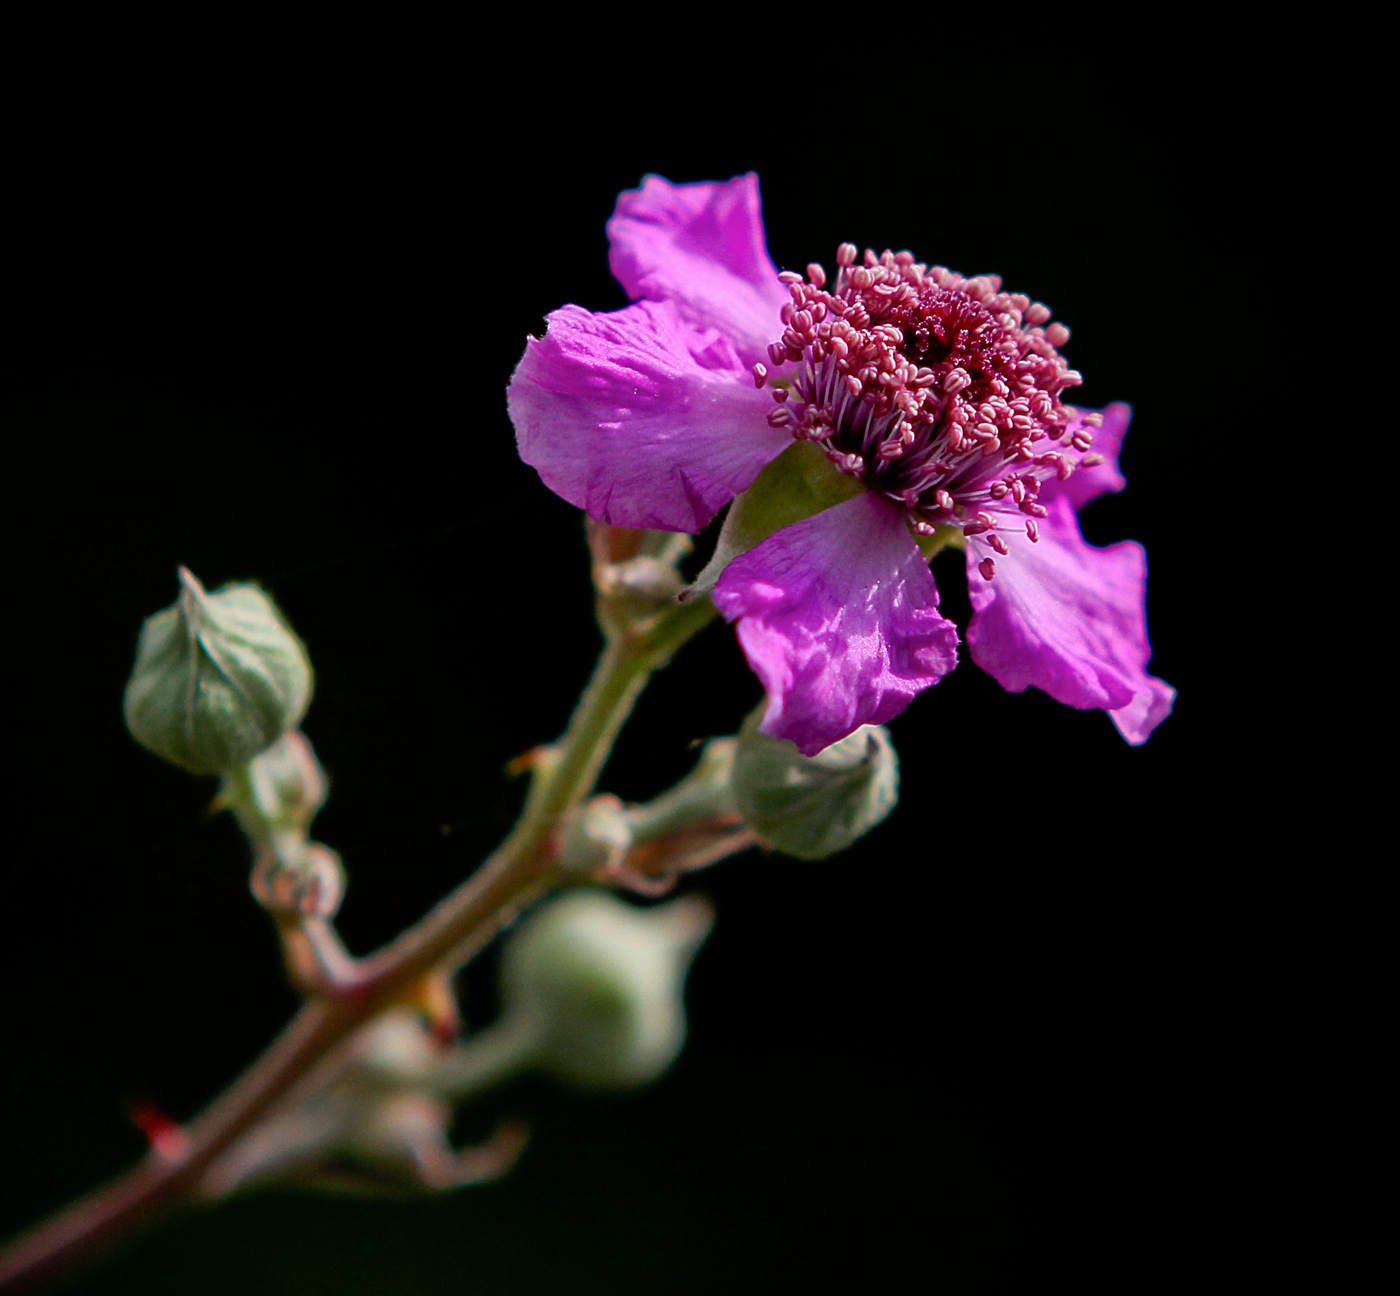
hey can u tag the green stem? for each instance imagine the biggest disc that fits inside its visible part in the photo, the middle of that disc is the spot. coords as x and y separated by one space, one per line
462 924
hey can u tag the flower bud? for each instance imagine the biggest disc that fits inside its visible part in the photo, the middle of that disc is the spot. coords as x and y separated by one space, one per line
814 806
279 790
595 836
597 984
218 678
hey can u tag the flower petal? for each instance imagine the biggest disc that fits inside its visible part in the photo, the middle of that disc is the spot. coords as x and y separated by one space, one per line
702 247
1087 484
1070 619
639 418
1145 712
838 616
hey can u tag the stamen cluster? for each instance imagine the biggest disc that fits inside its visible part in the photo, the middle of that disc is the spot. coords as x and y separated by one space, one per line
944 393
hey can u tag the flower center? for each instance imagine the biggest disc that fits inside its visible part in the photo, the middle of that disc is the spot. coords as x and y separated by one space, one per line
941 392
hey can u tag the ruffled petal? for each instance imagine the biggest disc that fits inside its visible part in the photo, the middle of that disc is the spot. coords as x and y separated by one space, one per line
1070 619
639 418
1085 484
838 616
702 247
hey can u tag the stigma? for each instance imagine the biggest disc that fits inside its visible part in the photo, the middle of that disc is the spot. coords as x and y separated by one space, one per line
941 392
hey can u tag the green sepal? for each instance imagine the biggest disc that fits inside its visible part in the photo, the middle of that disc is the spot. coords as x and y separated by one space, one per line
799 483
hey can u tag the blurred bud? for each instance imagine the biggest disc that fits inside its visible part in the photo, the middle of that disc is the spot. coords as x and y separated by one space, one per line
378 1124
294 876
396 1048
218 678
598 983
814 806
280 790
635 573
595 837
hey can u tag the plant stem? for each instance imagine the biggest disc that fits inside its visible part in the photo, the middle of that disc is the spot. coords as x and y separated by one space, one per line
516 874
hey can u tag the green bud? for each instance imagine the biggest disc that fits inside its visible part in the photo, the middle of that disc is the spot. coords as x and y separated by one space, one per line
814 806
279 790
219 677
594 836
595 984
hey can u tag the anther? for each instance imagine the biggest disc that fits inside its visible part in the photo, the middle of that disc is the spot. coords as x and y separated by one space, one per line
921 369
790 277
780 394
988 568
779 417
1033 530
760 374
998 544
1092 460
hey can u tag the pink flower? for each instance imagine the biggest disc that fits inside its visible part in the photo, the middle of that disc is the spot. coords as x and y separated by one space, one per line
940 396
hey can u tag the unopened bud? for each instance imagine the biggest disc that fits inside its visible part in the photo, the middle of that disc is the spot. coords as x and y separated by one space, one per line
279 790
815 806
598 984
595 837
219 677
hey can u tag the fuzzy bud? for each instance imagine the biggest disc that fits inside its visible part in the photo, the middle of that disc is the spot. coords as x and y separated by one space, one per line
597 984
219 678
280 789
814 806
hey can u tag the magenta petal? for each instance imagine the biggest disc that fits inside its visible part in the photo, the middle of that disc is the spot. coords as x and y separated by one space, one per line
1070 619
639 418
702 247
838 616
1145 712
1087 484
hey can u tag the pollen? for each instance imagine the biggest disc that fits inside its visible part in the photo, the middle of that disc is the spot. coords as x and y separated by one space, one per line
942 392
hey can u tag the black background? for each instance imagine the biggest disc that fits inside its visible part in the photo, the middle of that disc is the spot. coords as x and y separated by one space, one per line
265 332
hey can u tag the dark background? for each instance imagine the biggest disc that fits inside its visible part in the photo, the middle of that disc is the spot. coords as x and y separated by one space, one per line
1005 1043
